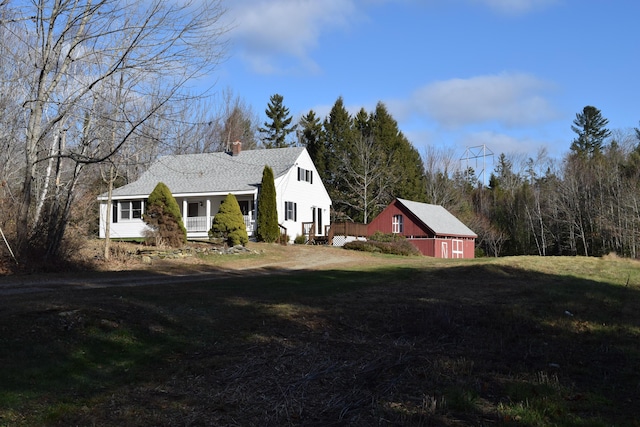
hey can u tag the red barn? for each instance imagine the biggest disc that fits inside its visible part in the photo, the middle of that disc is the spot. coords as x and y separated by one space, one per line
430 228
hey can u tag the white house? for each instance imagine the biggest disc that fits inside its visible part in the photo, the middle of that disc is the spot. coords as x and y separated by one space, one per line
199 183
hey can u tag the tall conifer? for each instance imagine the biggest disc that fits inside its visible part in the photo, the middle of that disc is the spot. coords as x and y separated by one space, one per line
276 130
312 137
591 129
267 230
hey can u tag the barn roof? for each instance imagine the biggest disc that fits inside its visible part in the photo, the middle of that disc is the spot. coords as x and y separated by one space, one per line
438 219
212 172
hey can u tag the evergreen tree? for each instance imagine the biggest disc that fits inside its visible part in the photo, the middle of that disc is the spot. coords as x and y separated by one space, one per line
362 123
276 131
229 224
267 230
591 129
338 131
163 216
406 168
312 137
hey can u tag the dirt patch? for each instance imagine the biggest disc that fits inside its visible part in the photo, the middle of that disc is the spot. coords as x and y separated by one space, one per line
133 264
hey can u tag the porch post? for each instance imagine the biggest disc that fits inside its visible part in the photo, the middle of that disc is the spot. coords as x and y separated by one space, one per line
185 208
254 213
208 213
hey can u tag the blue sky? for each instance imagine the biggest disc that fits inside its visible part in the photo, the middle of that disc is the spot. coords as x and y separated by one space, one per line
510 74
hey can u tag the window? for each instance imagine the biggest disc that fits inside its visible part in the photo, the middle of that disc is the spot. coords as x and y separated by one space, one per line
396 224
290 211
305 175
130 209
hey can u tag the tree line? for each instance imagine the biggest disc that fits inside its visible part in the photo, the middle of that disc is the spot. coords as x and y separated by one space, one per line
585 203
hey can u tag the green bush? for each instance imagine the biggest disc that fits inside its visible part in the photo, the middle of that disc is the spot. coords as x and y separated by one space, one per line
300 239
400 247
267 229
162 215
386 237
229 224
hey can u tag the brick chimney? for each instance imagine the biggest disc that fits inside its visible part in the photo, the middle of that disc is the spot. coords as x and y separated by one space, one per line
236 148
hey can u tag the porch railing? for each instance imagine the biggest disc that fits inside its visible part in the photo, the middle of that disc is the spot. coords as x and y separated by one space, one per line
196 224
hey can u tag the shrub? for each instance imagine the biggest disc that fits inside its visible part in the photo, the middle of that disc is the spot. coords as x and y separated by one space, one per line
267 230
228 223
300 239
359 245
163 216
400 247
386 237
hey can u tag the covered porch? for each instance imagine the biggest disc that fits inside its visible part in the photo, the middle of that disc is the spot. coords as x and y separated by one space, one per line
198 213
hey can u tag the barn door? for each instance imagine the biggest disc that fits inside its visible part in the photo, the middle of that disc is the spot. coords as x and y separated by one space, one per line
445 250
457 250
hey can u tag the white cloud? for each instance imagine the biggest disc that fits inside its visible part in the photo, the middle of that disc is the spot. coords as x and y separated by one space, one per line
516 7
265 30
510 100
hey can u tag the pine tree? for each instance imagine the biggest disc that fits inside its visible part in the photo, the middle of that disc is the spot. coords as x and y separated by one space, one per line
591 129
268 229
163 216
338 131
276 131
312 137
406 168
229 224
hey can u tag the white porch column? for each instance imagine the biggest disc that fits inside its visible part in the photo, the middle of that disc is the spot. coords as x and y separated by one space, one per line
208 213
254 211
185 210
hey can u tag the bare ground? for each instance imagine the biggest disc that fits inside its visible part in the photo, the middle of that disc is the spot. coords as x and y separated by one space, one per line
128 267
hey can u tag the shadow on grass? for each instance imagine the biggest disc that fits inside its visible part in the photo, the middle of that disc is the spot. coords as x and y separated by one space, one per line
461 345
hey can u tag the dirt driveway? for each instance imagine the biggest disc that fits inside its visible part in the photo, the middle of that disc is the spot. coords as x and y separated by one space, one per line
130 270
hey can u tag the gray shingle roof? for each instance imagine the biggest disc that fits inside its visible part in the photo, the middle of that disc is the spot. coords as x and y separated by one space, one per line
212 172
438 219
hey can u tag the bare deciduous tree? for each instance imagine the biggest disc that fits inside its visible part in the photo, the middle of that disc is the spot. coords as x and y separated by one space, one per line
366 176
78 53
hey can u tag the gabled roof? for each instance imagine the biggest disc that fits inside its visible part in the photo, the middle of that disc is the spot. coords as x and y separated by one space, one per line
212 172
438 219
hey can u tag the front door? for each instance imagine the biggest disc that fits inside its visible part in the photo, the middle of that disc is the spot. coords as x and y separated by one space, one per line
245 206
192 209
317 218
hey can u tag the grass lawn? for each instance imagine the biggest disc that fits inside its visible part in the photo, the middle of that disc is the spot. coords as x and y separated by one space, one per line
522 341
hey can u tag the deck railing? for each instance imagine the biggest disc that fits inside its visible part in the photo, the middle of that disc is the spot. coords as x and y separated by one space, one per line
349 229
